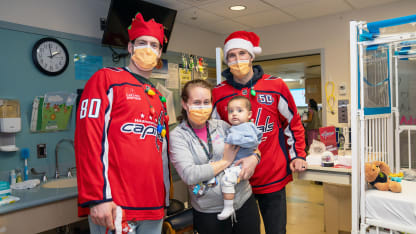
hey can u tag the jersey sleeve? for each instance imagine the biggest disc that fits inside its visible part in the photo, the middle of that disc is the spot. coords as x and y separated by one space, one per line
292 124
91 145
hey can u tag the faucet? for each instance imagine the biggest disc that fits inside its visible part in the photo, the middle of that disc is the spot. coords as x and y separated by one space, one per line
69 174
36 173
56 154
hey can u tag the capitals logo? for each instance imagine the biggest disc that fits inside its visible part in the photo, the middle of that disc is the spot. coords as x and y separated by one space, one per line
140 129
267 127
145 128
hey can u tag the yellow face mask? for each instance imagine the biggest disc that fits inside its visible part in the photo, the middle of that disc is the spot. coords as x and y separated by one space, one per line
199 114
145 57
239 68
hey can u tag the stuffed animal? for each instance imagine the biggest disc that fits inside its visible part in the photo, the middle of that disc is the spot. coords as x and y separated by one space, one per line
376 174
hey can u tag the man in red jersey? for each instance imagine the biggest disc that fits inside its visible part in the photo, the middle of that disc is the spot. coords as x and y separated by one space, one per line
120 143
275 114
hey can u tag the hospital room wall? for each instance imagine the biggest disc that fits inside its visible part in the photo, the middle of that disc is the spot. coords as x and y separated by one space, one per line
21 80
330 35
68 17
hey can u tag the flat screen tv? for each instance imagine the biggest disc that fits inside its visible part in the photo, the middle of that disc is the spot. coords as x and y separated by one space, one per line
122 12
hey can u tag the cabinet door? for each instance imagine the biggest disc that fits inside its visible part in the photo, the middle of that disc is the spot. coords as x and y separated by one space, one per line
313 89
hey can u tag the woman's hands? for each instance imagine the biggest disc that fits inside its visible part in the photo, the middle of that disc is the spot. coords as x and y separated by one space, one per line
230 151
248 165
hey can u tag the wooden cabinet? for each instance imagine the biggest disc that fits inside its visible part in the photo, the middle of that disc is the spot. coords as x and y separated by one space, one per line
41 218
313 89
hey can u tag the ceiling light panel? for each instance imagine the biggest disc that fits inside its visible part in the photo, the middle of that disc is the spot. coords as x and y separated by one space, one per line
238 8
222 7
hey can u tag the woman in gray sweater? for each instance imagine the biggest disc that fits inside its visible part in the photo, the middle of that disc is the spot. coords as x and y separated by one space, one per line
199 154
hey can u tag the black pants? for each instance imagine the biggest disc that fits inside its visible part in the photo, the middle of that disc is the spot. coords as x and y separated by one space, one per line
273 210
248 221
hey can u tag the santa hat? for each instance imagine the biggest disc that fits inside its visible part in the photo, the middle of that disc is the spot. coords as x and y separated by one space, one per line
139 27
242 40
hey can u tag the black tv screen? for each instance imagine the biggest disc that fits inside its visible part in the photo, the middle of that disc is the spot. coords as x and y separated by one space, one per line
122 12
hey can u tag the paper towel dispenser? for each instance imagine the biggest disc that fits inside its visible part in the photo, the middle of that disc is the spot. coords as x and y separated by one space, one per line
10 121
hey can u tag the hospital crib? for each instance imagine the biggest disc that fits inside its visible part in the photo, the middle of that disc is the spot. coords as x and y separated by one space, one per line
378 130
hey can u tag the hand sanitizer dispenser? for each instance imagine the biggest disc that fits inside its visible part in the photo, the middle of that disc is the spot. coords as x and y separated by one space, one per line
10 123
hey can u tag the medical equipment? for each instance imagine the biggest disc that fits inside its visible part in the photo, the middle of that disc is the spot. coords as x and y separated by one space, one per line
330 97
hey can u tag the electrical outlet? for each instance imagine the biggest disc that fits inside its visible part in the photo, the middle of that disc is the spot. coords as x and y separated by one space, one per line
41 150
103 23
342 111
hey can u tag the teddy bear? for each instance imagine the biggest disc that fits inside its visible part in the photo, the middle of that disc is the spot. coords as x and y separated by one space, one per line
376 174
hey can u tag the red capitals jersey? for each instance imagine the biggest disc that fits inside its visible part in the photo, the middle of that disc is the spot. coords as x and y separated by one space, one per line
118 147
275 114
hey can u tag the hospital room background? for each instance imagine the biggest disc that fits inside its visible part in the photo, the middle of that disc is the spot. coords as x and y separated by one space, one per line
310 49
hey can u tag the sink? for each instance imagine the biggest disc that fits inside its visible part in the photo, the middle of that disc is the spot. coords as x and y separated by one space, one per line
61 183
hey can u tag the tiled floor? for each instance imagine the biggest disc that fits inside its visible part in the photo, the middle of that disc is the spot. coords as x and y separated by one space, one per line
305 208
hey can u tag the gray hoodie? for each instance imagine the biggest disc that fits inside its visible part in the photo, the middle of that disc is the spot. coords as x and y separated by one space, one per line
192 165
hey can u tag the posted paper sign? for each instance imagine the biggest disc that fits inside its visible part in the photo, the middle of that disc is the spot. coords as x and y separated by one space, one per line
329 138
86 65
173 80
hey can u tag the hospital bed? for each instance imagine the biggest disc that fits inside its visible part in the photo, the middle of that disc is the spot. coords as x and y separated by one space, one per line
382 58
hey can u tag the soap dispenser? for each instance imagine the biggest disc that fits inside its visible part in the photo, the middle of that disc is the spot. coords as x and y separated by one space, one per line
10 123
18 176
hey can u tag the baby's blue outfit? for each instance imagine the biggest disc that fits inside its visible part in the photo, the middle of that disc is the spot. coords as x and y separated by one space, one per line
248 137
245 135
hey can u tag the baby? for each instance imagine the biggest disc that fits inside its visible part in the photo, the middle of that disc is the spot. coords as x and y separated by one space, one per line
244 134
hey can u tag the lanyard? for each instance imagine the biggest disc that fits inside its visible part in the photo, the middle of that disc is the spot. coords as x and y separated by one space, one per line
207 152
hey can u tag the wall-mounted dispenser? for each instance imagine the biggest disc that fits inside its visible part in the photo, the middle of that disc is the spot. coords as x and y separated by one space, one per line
10 123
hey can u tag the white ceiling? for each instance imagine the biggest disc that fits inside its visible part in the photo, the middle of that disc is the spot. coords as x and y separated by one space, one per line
215 15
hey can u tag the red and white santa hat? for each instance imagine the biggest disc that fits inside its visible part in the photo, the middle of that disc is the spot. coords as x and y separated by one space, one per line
242 40
139 27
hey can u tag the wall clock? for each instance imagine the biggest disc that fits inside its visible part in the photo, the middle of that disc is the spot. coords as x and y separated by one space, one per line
50 56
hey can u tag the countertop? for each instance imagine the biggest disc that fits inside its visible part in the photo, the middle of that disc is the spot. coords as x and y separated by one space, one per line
330 175
38 196
331 169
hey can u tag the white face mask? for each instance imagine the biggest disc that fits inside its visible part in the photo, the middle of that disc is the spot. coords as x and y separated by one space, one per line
145 57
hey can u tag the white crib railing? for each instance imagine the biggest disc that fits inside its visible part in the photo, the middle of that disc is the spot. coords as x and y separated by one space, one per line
409 129
377 138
